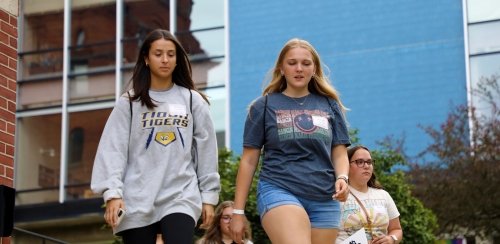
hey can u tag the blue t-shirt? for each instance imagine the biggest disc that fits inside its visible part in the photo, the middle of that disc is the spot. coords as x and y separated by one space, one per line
298 141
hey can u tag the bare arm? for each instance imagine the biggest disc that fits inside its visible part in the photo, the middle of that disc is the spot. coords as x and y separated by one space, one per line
246 170
111 214
341 165
394 228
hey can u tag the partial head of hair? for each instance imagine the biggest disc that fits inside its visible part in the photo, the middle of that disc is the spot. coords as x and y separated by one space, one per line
213 235
141 77
319 84
372 182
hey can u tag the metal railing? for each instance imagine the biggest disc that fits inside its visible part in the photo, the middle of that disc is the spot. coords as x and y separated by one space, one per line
43 238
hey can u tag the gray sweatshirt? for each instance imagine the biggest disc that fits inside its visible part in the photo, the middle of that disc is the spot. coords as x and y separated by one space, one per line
161 161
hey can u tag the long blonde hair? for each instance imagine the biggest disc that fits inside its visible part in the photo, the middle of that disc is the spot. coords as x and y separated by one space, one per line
319 84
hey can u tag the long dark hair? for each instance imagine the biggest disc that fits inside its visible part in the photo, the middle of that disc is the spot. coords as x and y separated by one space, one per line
372 182
141 78
213 235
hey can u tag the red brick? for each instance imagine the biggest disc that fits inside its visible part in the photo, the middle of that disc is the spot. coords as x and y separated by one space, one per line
12 85
3 125
9 29
2 169
8 72
7 50
7 182
4 114
3 81
3 104
4 38
11 128
11 106
7 93
13 20
4 16
13 42
7 138
3 149
5 160
9 150
6 240
9 172
12 63
4 59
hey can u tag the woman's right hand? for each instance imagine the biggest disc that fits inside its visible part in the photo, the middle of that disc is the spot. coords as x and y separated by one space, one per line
237 227
112 207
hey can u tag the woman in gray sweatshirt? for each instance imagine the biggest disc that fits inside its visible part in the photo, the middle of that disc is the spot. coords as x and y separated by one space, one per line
157 158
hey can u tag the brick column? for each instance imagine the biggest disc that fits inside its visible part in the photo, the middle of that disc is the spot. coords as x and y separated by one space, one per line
9 12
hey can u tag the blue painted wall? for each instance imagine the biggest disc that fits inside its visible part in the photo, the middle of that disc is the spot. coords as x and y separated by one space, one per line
397 63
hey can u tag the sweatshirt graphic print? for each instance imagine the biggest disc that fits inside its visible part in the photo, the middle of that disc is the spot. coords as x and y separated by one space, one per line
159 161
174 118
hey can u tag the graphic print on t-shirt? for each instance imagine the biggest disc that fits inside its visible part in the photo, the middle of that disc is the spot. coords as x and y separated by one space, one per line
353 217
164 125
296 124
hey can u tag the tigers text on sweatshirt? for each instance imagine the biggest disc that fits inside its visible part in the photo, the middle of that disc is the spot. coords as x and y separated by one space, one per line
161 160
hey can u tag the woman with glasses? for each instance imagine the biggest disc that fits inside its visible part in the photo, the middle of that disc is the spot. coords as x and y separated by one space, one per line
218 232
368 205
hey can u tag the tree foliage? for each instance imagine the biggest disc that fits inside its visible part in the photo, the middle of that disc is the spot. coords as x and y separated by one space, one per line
418 222
228 169
460 183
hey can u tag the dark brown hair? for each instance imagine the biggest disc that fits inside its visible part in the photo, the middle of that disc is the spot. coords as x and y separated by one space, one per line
141 78
372 182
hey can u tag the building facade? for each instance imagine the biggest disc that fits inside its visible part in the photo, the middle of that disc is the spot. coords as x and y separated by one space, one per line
396 64
75 59
8 75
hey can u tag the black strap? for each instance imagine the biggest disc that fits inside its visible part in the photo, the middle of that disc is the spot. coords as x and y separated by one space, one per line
264 119
130 103
190 101
264 124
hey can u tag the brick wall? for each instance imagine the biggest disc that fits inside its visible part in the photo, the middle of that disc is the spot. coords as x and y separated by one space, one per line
8 75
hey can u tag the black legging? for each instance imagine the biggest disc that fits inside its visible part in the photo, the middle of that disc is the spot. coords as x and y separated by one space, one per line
176 228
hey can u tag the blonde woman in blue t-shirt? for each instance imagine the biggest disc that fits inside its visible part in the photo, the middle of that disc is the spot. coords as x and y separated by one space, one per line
299 122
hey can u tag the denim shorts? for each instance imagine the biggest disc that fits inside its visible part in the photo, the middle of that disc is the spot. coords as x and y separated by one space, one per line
322 214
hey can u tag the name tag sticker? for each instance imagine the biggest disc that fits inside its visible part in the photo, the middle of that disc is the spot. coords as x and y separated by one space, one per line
320 121
177 109
380 209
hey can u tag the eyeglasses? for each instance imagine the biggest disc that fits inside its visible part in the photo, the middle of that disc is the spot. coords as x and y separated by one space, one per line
226 218
361 163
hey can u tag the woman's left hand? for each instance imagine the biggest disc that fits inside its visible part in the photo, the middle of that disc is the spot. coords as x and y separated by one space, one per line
341 190
207 215
383 240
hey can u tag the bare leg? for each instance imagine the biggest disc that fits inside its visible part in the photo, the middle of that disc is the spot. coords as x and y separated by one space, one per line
320 236
287 224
